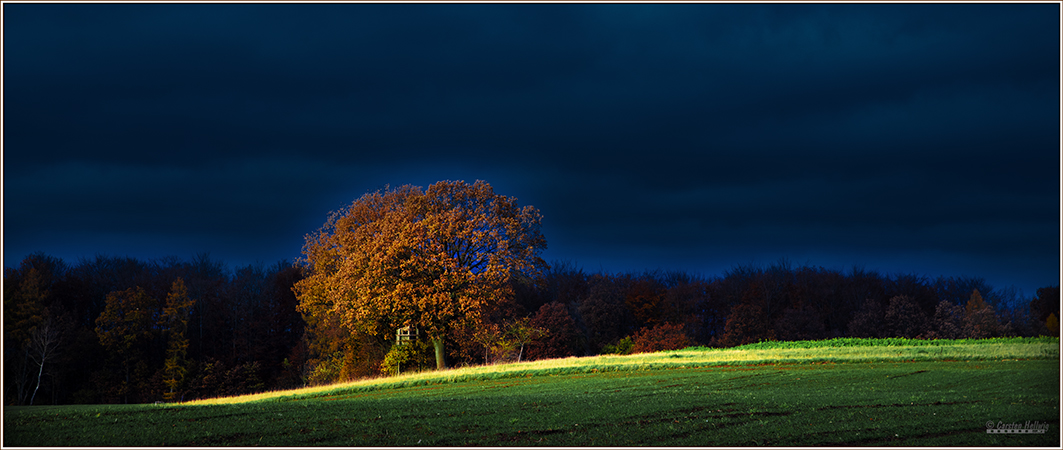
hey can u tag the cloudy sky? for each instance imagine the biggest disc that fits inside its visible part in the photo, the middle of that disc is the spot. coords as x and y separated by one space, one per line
909 138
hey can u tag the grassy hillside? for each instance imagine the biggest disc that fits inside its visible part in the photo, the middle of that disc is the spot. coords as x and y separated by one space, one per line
848 392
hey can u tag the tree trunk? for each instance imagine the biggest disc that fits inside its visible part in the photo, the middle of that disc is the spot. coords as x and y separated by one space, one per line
440 363
39 372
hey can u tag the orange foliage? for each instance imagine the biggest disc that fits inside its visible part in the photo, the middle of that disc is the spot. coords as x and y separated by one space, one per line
662 337
431 259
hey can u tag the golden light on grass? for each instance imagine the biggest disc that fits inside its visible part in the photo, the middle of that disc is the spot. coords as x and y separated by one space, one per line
688 358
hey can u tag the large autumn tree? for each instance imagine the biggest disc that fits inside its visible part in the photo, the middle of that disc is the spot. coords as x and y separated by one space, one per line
427 259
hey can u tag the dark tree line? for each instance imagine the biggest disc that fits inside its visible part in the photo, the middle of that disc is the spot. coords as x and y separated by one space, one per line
128 331
782 302
120 330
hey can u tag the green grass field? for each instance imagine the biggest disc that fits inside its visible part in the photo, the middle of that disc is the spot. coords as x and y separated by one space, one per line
842 392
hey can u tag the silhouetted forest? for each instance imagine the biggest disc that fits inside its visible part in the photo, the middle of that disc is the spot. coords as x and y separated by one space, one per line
121 330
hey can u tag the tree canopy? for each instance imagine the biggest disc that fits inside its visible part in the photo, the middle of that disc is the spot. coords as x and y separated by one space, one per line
428 259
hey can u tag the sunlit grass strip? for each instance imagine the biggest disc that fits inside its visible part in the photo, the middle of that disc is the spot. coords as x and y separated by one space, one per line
827 351
894 342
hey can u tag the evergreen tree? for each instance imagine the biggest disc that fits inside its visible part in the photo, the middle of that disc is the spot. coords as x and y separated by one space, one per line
174 322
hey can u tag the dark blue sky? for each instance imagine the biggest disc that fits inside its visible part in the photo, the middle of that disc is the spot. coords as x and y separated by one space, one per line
902 138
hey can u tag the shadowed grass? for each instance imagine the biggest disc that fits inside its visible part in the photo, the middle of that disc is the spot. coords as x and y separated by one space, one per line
693 397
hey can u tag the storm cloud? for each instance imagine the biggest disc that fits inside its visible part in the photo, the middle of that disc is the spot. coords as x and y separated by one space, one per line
900 137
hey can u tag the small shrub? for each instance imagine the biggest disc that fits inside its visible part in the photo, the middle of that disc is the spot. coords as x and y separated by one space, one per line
412 355
326 372
622 347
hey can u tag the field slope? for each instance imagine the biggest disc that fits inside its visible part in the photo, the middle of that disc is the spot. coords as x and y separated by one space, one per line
838 392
